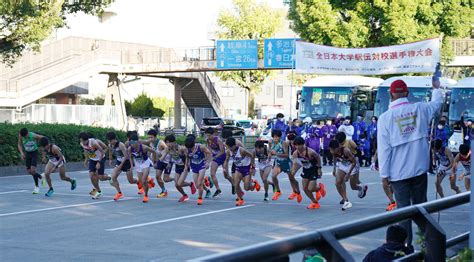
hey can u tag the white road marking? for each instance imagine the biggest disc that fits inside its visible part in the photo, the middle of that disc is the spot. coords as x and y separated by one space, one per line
55 208
177 218
11 192
14 176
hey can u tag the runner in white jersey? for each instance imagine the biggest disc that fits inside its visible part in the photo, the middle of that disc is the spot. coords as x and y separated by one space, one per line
463 158
264 165
161 165
444 158
141 162
94 156
56 160
177 156
242 159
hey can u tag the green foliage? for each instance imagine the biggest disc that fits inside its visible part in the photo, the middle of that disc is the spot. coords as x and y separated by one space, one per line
248 20
98 100
128 107
163 103
463 255
65 136
25 23
378 23
143 106
300 79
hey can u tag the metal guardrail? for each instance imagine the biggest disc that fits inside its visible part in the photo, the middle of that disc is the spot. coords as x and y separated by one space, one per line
326 240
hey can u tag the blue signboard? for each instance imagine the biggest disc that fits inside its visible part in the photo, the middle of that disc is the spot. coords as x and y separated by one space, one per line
279 53
237 54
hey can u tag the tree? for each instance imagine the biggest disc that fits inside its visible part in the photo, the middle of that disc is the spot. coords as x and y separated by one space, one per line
248 20
378 23
143 106
163 103
98 100
24 24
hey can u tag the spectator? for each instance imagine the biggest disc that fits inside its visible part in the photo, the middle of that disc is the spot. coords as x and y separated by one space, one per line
359 128
307 125
296 126
313 137
364 147
372 134
403 148
393 248
338 121
328 132
279 124
442 132
347 128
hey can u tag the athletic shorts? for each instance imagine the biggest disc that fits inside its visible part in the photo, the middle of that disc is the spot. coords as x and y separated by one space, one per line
283 164
93 163
263 165
163 166
196 168
220 160
57 163
310 173
126 166
346 167
141 165
179 169
31 159
244 170
232 168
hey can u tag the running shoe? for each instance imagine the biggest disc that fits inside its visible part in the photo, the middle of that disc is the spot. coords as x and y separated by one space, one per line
184 198
97 195
208 193
211 183
36 190
341 202
257 185
276 195
151 182
162 194
73 184
239 202
193 188
299 198
49 193
363 191
318 195
313 206
206 182
233 190
391 206
217 193
199 201
346 205
141 191
139 185
93 191
111 182
118 196
145 199
292 196
322 189
266 199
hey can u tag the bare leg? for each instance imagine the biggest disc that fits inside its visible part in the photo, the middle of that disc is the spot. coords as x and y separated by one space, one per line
275 172
146 172
439 187
214 167
341 185
178 185
115 173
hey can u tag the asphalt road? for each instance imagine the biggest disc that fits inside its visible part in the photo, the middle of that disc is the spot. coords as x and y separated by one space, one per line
71 226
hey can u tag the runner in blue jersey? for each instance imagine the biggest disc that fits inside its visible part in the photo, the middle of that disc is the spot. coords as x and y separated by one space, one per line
161 165
198 158
218 151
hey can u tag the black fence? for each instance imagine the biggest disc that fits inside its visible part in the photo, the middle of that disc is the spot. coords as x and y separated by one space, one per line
326 240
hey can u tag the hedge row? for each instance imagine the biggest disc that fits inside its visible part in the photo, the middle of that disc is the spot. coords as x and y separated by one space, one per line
65 136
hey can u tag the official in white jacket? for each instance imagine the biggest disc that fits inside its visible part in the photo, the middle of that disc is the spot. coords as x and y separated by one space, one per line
403 148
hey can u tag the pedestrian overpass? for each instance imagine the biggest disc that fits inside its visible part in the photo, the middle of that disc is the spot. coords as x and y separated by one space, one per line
64 62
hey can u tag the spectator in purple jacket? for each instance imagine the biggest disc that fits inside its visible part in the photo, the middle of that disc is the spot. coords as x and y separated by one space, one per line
313 137
328 132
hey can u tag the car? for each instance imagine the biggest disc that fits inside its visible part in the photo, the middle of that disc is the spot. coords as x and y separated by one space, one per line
230 124
248 126
214 122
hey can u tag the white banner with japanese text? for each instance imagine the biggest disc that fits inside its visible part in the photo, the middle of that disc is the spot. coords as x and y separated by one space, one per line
417 57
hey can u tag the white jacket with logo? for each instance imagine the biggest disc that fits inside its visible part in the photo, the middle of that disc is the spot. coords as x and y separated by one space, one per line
402 137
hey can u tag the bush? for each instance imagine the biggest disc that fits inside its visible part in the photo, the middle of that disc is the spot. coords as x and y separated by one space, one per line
63 135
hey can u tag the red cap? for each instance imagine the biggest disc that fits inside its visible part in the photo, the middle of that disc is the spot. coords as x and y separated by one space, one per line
398 86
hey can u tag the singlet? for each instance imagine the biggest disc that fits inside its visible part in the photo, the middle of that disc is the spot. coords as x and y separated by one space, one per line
263 157
94 155
278 148
240 160
52 156
305 160
29 143
213 145
140 155
442 157
176 158
466 162
117 152
196 157
343 159
156 146
351 145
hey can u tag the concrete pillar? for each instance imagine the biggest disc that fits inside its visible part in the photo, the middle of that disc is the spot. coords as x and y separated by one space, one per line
113 92
177 103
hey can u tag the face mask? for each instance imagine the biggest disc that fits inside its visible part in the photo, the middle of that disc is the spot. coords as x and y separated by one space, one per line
280 119
469 123
347 122
359 118
314 125
329 123
440 126
374 121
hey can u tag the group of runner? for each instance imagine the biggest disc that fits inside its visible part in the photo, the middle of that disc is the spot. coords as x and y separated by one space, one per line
280 155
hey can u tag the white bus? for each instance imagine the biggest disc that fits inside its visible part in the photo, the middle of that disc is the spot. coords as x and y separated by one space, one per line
327 96
462 104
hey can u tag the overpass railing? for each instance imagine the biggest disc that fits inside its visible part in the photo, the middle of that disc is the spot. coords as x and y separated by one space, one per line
326 240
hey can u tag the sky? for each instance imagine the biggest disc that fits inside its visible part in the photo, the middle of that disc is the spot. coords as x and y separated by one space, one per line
176 23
